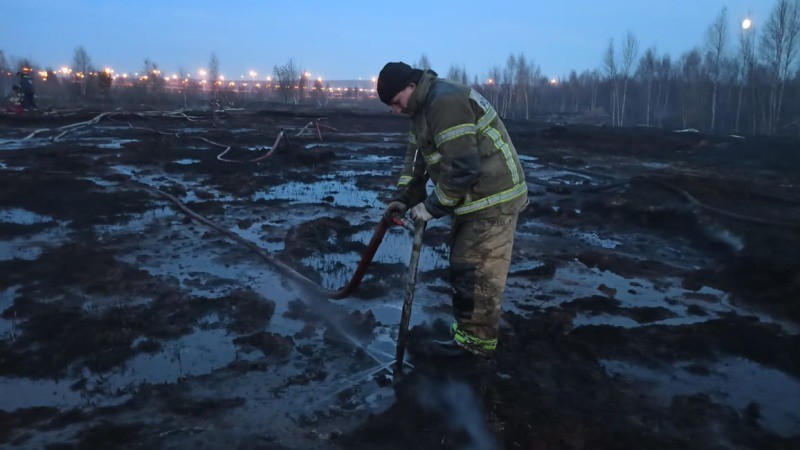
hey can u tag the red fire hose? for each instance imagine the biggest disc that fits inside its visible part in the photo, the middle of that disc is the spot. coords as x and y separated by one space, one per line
366 259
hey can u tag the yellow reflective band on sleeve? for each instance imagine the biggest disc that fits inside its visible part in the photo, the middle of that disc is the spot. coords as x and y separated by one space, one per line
454 132
404 180
412 139
486 119
496 199
443 198
433 158
502 145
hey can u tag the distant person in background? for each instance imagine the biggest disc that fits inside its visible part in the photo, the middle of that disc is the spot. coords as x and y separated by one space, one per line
26 85
459 142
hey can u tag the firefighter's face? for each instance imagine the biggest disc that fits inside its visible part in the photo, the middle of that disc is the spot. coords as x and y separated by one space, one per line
400 101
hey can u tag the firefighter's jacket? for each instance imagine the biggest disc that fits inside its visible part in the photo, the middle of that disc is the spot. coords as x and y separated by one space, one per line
459 142
26 84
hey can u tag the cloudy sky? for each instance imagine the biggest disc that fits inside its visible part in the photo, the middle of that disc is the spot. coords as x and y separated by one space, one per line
353 38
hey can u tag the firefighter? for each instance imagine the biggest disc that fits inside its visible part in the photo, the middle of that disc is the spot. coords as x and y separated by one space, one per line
26 85
458 141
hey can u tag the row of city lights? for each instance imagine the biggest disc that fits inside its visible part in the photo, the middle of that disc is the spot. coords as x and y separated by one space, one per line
108 71
66 71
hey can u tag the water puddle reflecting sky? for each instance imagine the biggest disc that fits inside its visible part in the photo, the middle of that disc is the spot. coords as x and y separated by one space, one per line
731 381
345 194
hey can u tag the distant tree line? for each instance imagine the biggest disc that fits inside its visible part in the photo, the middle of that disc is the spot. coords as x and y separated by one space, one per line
745 81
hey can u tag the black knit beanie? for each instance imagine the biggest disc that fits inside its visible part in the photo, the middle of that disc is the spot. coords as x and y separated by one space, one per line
394 77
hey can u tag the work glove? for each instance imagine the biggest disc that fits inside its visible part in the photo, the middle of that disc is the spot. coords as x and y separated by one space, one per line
419 212
395 209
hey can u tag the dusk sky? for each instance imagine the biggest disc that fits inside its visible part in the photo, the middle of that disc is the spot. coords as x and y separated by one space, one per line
351 39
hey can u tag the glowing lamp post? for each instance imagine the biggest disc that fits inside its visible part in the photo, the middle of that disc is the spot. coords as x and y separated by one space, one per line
748 38
253 75
202 74
306 82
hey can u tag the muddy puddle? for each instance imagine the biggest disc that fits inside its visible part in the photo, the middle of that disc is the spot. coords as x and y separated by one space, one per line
166 333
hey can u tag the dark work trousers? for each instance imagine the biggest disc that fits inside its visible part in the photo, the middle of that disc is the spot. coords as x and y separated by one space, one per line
480 254
28 100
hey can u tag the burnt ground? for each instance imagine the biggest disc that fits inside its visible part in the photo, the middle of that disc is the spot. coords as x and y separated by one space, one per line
653 299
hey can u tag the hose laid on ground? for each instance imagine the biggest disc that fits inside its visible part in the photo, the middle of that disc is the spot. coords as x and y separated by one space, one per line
66 129
344 291
271 151
731 215
227 148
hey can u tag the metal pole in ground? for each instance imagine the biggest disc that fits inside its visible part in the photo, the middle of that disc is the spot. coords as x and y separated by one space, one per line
419 229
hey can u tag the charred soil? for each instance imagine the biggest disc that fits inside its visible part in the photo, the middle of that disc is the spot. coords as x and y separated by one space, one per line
652 302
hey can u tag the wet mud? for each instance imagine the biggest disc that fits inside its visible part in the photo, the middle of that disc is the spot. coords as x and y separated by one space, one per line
653 299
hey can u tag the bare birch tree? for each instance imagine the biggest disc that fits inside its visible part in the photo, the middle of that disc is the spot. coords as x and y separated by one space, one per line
647 73
494 87
523 81
590 81
155 80
287 76
424 63
3 70
81 65
630 49
610 67
779 49
458 74
573 87
746 63
213 73
716 38
665 75
691 73
509 74
183 80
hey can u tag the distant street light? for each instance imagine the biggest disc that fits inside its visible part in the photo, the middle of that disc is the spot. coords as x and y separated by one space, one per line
253 75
